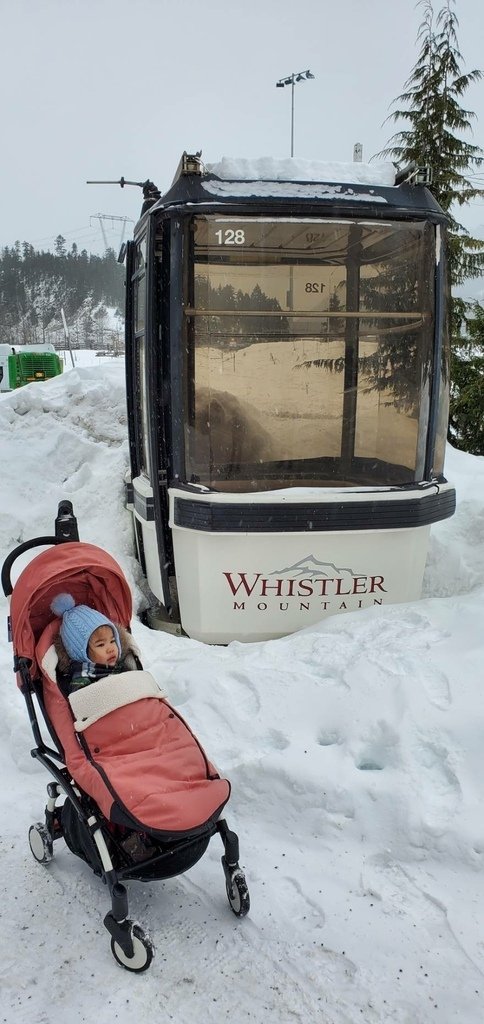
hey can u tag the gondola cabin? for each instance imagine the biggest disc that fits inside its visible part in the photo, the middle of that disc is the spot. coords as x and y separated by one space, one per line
287 363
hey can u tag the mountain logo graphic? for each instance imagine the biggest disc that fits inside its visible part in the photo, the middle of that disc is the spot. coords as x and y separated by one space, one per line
311 567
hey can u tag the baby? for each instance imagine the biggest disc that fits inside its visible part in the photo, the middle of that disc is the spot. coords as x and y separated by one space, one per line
89 646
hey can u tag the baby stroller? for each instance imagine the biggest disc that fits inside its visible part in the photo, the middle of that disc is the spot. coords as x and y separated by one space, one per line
143 805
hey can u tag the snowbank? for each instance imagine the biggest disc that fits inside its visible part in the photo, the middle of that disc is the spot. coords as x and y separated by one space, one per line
356 757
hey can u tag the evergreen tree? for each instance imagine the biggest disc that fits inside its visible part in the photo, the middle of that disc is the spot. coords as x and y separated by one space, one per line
100 318
436 123
60 246
87 328
466 425
435 134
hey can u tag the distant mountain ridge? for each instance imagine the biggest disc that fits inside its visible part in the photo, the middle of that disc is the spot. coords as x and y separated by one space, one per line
35 286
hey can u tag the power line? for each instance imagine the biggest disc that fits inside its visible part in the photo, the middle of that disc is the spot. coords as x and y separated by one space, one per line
72 231
84 233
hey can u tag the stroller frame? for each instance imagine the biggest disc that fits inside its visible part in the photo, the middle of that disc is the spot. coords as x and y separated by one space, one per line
131 947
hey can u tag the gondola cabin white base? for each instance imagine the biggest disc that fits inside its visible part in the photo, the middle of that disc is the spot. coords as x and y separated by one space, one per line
259 586
143 494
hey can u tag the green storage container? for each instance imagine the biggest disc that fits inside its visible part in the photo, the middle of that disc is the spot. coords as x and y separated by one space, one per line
26 367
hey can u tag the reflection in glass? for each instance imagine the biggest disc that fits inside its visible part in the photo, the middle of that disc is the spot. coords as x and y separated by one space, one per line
310 343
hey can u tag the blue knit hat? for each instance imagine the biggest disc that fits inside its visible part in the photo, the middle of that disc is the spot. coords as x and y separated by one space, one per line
78 624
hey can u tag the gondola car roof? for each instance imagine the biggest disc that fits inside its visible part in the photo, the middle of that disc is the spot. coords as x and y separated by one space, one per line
297 188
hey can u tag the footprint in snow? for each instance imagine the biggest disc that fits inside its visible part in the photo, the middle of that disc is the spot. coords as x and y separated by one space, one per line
437 688
381 749
440 789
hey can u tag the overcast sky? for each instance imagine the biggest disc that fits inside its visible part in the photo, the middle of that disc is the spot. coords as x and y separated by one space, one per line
105 88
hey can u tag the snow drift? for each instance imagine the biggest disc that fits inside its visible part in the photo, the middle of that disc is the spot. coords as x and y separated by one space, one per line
356 758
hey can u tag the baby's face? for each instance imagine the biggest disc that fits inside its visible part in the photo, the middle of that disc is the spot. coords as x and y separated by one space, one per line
102 649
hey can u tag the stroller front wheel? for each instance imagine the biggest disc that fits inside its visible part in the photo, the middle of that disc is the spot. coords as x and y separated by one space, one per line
143 952
40 842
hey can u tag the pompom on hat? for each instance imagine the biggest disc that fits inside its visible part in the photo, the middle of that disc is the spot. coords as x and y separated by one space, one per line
78 624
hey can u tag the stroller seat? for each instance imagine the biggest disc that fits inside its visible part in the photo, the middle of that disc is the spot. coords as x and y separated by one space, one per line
131 751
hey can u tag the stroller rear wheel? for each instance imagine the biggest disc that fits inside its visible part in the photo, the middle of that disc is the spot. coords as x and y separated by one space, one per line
143 952
238 893
40 842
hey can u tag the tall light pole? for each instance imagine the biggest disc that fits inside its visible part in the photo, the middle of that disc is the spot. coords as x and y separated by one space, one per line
296 76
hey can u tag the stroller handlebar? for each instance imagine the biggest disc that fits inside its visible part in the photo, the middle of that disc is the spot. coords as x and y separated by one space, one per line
26 546
65 530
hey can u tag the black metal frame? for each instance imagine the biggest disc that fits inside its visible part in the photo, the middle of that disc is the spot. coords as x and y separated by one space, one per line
130 368
441 271
304 517
156 442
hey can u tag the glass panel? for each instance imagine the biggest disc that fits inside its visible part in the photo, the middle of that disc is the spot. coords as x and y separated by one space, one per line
394 351
139 298
143 432
139 303
309 342
443 412
140 255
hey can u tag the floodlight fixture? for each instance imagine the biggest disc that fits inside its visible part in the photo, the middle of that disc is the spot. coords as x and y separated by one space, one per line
296 76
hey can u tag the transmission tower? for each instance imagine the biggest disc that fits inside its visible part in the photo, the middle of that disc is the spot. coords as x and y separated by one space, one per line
111 217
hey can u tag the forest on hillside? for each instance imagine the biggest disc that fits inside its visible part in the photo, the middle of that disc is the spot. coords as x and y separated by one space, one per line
35 286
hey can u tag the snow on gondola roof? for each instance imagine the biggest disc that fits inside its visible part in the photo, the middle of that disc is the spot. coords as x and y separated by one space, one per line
269 176
290 169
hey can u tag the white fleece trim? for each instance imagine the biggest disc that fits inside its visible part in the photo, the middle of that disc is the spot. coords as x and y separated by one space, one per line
49 662
92 702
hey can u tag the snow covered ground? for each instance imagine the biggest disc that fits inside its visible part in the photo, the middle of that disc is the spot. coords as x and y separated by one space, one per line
356 754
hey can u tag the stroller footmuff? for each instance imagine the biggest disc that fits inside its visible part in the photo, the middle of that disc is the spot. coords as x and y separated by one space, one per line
133 793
